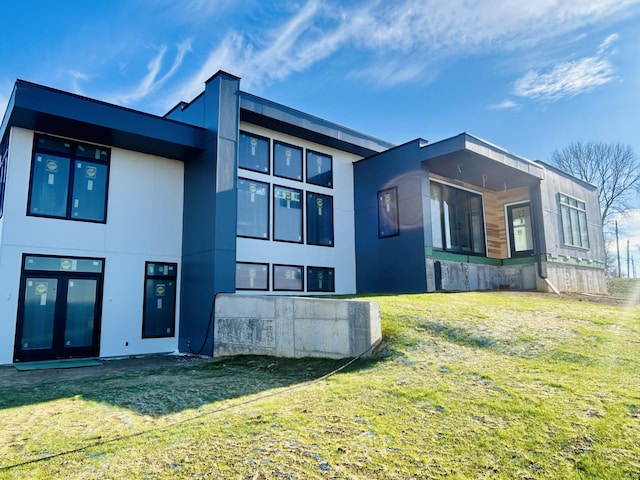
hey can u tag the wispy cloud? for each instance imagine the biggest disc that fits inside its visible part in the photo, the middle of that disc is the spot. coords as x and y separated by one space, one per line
4 101
504 105
152 80
568 79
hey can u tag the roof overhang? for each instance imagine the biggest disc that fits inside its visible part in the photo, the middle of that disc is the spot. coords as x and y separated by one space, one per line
61 113
480 163
271 115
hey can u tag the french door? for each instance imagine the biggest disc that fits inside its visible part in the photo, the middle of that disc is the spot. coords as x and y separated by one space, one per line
59 309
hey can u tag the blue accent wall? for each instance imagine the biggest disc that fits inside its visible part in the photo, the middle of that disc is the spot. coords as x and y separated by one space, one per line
209 225
393 264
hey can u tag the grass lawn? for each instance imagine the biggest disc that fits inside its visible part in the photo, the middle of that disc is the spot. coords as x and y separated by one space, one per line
468 385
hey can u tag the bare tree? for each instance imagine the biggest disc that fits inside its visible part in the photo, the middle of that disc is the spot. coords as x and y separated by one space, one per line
613 168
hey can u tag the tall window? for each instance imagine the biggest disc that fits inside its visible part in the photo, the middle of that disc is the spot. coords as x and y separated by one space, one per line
68 180
287 161
253 209
388 223
319 169
574 222
457 220
319 219
4 160
254 152
287 214
159 300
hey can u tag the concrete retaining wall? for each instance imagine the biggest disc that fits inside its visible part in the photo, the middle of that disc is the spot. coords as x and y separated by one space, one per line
294 327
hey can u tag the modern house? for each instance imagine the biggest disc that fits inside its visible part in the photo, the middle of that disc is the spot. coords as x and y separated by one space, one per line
118 228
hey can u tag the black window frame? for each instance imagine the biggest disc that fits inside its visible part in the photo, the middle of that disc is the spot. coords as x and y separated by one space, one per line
277 287
330 272
239 200
150 277
4 166
250 265
277 168
312 207
241 152
460 195
388 213
309 168
74 157
573 209
275 213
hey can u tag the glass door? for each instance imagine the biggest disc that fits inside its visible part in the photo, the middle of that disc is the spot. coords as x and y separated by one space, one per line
520 231
59 314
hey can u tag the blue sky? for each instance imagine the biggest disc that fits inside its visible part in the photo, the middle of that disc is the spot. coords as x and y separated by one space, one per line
528 76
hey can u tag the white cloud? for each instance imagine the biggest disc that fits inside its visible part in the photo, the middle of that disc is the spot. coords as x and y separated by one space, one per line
504 105
629 229
4 101
565 79
151 82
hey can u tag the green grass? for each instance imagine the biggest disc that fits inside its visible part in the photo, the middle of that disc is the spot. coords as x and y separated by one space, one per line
624 287
469 385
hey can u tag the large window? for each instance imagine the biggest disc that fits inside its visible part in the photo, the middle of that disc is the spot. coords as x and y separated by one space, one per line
159 300
288 277
287 214
254 152
388 223
253 209
4 160
287 161
68 180
457 220
252 276
319 169
574 222
320 279
319 219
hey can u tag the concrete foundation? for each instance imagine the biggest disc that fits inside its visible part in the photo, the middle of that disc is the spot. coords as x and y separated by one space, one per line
570 278
462 277
294 327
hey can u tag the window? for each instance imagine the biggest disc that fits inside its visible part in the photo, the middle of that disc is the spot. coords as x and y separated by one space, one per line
159 300
574 222
320 279
319 169
319 219
68 180
254 152
253 209
288 277
287 214
388 225
287 161
457 220
4 160
252 276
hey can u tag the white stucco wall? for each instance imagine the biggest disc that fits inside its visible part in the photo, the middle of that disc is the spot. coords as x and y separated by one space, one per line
342 255
144 223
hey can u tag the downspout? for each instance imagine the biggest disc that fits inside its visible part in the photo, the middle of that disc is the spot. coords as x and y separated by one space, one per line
539 244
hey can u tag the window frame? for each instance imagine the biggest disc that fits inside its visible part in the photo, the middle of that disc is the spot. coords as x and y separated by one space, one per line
326 156
276 168
4 166
446 236
275 212
268 200
74 158
154 276
277 288
310 205
329 270
258 265
241 156
391 208
579 211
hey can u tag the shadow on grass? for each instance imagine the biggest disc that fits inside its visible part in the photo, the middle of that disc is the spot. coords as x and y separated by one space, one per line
170 386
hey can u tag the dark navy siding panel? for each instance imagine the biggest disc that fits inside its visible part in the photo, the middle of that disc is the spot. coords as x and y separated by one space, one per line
393 264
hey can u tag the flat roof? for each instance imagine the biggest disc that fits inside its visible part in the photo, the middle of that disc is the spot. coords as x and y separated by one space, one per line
46 109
